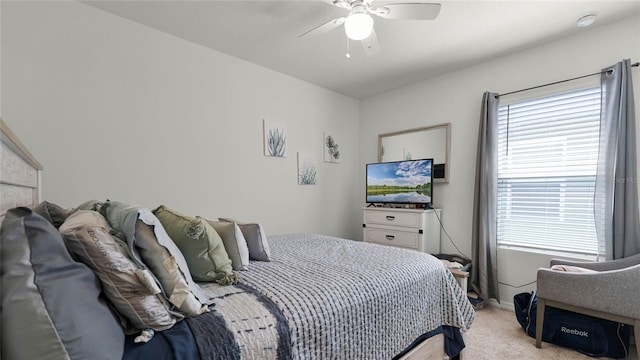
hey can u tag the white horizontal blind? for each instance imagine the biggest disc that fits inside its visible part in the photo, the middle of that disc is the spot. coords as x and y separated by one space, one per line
547 156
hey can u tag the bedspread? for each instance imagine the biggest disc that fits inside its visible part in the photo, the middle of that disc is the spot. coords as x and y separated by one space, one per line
323 297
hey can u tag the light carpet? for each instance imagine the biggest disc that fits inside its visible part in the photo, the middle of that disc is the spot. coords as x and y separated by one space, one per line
496 334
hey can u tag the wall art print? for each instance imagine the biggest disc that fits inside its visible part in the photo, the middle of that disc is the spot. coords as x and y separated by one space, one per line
307 170
331 149
275 139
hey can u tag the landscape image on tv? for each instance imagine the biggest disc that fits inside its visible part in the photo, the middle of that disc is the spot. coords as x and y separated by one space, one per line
405 182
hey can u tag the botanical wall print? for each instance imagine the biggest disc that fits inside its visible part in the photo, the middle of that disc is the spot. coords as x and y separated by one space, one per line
307 171
331 149
275 139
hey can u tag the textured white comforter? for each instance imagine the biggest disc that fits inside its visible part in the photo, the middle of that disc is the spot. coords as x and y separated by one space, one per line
341 299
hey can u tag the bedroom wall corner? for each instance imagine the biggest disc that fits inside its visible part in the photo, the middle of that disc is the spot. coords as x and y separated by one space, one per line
114 109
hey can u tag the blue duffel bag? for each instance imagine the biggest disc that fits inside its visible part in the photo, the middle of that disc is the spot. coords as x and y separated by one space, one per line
589 335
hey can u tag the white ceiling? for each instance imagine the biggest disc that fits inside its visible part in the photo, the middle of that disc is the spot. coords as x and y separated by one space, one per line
465 32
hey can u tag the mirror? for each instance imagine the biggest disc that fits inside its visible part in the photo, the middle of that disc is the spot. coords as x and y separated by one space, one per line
419 143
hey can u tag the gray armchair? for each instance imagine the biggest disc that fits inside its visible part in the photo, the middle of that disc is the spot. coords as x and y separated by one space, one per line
613 293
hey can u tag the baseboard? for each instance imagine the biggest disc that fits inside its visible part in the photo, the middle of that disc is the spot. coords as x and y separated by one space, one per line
500 305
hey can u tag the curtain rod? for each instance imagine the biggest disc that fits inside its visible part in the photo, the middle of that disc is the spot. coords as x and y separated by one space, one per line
559 82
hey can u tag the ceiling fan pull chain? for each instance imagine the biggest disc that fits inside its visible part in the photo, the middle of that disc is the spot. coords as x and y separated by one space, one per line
348 55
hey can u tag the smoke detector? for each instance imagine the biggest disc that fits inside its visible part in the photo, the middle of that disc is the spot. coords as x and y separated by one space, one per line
586 19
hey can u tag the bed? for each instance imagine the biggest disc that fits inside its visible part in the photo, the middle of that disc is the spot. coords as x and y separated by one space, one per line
19 173
318 297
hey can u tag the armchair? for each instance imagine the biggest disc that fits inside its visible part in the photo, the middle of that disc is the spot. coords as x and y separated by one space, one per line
612 293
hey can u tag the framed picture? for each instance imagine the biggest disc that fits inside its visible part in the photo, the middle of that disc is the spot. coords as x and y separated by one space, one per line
275 139
331 149
307 170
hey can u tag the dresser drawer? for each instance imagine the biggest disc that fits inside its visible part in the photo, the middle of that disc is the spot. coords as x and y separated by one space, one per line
393 238
393 218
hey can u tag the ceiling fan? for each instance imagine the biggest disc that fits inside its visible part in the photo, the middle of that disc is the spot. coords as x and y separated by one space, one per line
358 23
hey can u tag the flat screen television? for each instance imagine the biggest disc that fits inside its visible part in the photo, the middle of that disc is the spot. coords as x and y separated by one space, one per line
401 182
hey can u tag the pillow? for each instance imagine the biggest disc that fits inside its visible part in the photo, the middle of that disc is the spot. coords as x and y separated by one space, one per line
165 268
89 205
234 243
55 214
201 246
569 268
49 301
256 240
132 290
122 219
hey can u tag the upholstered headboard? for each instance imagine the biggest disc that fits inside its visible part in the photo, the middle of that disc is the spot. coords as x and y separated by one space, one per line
19 173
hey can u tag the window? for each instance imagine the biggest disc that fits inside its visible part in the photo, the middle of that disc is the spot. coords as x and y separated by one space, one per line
547 156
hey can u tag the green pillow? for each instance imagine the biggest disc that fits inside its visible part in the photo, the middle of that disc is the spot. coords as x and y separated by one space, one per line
200 244
165 267
234 243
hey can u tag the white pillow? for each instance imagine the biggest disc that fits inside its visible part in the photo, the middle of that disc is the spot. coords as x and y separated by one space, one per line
569 268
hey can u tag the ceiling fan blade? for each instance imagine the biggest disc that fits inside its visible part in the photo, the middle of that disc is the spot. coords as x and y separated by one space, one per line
371 45
328 26
410 11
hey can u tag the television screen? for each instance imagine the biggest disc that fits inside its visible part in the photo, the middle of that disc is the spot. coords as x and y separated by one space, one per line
400 182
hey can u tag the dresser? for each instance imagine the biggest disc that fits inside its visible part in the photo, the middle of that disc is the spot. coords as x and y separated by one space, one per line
408 228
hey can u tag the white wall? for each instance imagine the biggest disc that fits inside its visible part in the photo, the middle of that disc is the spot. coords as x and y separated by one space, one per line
0 62
113 109
455 97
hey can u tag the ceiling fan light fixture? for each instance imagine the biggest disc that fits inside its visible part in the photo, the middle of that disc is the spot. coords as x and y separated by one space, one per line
358 25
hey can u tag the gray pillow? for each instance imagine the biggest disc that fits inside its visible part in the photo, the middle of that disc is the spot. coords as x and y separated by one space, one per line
132 290
256 240
234 243
51 305
55 214
94 205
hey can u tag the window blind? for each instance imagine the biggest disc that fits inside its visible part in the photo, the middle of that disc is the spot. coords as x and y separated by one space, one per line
547 157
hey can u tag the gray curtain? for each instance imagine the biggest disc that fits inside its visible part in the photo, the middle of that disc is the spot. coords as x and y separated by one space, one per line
484 276
616 192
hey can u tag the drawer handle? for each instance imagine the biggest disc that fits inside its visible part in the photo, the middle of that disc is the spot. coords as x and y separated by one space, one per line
391 218
390 237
